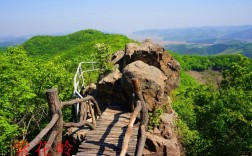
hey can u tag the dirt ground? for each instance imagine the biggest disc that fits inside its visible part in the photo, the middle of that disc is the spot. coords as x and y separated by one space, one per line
208 77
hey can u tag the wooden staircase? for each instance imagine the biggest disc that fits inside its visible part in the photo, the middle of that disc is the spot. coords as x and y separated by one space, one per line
107 138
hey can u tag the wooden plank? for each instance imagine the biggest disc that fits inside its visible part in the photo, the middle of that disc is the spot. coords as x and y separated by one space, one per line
113 138
107 142
95 154
108 136
130 130
83 153
107 147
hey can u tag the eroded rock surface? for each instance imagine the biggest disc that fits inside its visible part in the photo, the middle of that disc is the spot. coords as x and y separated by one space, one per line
157 71
154 55
158 74
149 77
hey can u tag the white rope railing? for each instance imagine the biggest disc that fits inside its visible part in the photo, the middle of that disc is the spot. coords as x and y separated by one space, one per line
79 79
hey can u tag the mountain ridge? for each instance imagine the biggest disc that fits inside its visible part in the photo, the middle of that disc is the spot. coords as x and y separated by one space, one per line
81 42
195 33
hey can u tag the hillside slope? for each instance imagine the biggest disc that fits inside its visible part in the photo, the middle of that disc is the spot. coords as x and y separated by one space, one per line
79 43
41 63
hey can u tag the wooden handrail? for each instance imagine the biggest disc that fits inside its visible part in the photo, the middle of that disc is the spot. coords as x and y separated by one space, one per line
74 101
144 119
38 138
48 144
130 128
141 138
79 124
85 105
92 113
56 123
87 98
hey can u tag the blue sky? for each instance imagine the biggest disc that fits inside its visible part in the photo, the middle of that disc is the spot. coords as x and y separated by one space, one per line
29 17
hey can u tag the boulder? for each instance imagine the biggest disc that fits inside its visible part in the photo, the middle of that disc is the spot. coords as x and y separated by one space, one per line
169 147
89 90
109 88
117 57
154 55
152 82
157 71
167 125
76 133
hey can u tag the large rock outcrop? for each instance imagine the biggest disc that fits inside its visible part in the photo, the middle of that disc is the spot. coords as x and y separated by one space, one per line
158 74
149 77
110 90
154 55
157 71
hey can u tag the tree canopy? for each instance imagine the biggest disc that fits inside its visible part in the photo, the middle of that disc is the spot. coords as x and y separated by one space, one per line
217 121
41 63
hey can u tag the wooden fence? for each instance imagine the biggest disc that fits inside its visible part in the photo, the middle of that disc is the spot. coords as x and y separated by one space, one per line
56 124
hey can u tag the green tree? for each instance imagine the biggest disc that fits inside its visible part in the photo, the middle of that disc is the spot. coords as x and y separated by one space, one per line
44 62
218 122
103 57
23 108
17 96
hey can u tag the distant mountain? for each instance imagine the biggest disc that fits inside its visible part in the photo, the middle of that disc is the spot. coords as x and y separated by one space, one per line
199 34
203 40
234 47
245 35
6 41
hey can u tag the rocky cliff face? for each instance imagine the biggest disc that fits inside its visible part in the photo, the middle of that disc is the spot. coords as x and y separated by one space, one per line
157 71
158 74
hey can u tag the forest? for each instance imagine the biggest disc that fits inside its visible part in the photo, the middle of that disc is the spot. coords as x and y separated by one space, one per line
215 120
211 120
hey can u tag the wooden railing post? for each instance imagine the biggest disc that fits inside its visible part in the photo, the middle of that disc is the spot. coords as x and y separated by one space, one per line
130 129
141 138
55 107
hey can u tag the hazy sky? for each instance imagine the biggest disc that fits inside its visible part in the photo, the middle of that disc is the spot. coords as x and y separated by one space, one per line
26 17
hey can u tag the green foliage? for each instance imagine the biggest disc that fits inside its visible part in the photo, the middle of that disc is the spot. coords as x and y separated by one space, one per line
238 72
154 118
217 122
81 43
24 81
103 57
41 63
16 94
74 48
191 139
3 49
201 63
91 77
